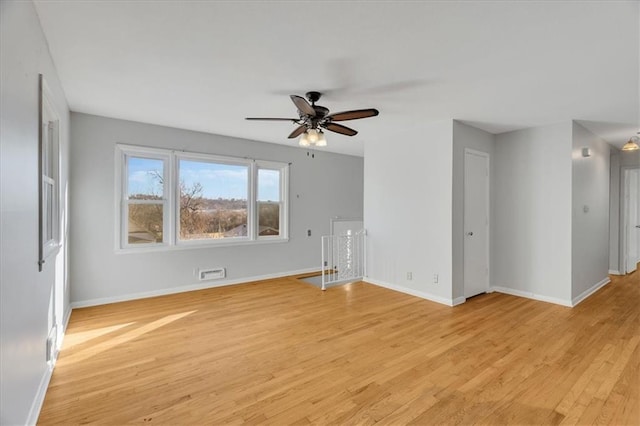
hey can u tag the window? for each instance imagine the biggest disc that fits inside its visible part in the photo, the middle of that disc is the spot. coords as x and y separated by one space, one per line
49 176
213 200
269 202
144 204
173 199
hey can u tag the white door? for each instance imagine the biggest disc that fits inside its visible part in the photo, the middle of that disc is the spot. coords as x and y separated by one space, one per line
476 223
632 222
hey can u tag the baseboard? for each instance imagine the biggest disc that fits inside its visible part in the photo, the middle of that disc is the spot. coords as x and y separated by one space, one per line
36 405
65 324
588 292
613 272
412 292
182 289
459 301
65 321
530 295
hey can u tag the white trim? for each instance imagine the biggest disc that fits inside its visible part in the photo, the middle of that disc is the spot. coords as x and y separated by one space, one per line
623 252
50 114
459 300
529 295
198 244
36 405
212 158
67 318
614 272
247 164
412 292
588 292
186 288
171 206
283 202
38 401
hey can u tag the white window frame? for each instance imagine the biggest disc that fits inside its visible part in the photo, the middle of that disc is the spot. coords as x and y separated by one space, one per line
171 199
49 175
284 197
124 152
206 158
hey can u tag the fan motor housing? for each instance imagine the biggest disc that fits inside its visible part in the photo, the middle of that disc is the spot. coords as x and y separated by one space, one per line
313 96
321 111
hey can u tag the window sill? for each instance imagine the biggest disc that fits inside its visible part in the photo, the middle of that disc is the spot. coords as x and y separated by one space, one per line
197 246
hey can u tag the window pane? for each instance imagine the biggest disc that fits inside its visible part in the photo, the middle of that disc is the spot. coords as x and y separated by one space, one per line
145 223
49 210
46 150
146 178
213 200
268 185
268 219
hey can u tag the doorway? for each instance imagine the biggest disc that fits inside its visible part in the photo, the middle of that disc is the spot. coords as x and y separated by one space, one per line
631 220
476 223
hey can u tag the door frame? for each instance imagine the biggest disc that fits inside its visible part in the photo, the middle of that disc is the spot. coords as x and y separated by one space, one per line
488 212
624 217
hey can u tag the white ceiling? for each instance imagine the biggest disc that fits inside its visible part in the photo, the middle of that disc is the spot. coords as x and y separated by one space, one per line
205 66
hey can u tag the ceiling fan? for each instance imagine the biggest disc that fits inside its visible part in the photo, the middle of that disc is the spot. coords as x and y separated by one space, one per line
313 118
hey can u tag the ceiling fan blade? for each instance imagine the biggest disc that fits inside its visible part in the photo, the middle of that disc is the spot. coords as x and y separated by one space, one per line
303 106
295 120
298 131
339 128
353 115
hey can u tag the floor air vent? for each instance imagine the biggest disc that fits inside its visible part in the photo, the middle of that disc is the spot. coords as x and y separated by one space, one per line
212 274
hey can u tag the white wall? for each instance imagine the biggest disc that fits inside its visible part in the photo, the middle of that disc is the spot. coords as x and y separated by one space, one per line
590 230
320 188
531 232
25 293
408 209
464 136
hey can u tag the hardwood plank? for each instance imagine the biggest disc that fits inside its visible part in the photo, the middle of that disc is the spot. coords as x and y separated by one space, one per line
282 352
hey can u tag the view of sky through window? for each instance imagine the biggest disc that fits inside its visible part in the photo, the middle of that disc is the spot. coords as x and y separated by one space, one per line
145 176
268 185
218 180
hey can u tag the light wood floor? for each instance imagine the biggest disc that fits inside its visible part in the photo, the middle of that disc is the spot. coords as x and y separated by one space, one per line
281 352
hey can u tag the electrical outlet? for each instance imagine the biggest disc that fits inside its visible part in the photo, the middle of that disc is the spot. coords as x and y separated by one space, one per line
435 278
409 276
308 232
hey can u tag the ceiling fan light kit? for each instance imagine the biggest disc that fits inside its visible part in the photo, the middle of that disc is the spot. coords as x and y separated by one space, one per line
313 137
632 145
313 118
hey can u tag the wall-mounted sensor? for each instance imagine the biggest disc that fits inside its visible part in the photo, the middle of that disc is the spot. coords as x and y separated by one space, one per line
586 152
